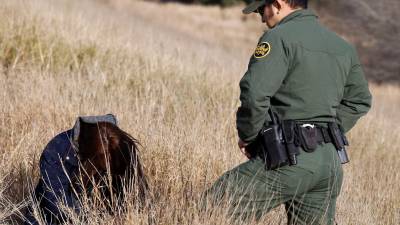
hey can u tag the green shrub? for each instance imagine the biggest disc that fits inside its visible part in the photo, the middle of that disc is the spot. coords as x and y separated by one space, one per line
29 45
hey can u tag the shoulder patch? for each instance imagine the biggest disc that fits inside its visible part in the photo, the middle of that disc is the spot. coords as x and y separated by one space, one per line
262 50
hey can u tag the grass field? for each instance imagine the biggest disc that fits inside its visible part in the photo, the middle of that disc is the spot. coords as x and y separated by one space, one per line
170 74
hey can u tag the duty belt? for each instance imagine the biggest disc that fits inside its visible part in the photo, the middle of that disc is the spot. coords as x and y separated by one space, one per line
310 135
278 142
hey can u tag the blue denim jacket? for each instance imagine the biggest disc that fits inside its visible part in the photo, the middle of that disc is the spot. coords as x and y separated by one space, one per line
58 164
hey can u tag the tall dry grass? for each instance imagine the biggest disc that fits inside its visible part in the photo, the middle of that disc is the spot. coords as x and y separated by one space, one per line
172 80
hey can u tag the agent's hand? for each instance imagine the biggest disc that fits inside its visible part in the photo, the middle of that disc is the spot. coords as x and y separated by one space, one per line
242 146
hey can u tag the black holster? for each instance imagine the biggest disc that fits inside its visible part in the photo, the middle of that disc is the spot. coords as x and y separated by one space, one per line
339 140
276 143
273 147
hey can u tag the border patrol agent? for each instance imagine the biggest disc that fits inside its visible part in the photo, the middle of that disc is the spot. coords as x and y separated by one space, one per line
59 162
310 76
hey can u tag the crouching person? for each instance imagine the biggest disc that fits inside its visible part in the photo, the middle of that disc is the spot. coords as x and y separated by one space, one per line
76 160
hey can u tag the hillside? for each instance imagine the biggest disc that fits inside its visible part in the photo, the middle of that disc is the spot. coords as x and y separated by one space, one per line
370 25
373 27
170 74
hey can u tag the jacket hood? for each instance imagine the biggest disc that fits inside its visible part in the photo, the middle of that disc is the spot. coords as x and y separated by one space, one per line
110 118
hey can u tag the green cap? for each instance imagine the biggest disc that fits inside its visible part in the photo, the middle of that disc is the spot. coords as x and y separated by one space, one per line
253 6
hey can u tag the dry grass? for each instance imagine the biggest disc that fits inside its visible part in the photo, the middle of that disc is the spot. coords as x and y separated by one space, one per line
171 79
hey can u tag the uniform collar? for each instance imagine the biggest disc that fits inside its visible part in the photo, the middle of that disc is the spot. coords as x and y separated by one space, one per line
298 14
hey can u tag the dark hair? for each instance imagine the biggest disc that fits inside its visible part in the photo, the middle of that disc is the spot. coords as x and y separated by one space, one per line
298 3
103 146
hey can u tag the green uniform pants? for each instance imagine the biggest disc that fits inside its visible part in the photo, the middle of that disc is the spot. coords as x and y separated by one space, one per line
308 189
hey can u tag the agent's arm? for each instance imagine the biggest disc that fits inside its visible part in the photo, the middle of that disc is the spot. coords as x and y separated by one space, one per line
265 74
357 98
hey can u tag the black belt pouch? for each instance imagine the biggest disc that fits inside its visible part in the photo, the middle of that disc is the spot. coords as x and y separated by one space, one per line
274 150
308 139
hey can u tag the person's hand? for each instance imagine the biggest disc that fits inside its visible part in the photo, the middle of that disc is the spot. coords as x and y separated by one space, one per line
242 146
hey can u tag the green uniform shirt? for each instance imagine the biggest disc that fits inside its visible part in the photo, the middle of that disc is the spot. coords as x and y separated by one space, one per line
304 72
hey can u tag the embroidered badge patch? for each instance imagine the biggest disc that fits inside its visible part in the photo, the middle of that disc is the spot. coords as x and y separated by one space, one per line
262 50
